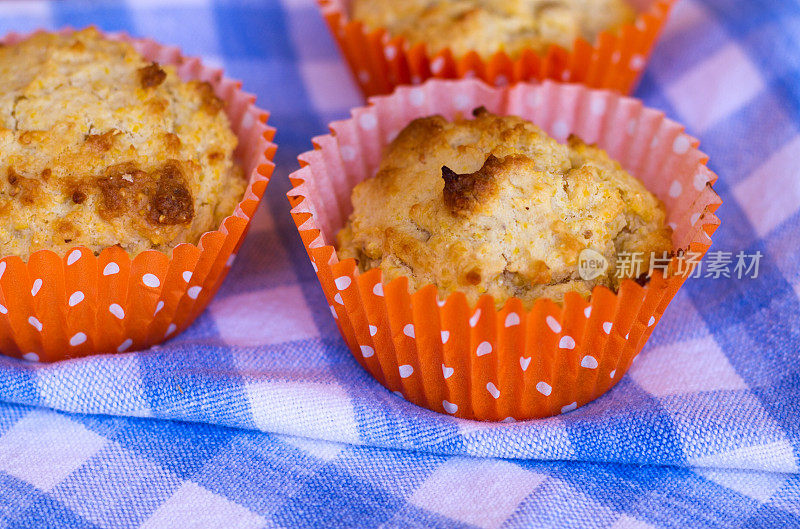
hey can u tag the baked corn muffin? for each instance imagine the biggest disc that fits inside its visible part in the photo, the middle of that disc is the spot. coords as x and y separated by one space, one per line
489 26
493 205
100 147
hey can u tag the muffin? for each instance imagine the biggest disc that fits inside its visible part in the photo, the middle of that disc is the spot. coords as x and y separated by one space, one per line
597 43
129 175
493 205
102 148
490 26
448 196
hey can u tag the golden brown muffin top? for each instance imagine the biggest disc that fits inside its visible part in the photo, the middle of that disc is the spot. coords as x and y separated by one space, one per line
489 26
495 206
100 147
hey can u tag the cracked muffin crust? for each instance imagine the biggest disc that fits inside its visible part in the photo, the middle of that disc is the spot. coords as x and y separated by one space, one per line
493 205
489 26
100 147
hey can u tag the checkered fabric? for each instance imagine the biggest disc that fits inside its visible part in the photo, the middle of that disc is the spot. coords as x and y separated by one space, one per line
257 416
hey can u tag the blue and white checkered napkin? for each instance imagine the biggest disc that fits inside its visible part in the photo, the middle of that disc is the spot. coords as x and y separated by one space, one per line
258 417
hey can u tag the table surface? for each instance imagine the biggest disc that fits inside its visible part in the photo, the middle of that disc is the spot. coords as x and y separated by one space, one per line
257 416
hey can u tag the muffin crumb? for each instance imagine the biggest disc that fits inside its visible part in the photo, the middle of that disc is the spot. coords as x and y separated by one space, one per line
463 191
151 75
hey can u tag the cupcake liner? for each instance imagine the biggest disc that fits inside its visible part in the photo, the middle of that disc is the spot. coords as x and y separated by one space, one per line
64 306
477 362
380 62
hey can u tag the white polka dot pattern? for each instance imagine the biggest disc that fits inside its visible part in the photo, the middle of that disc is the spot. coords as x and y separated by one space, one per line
116 310
111 269
560 129
484 348
417 97
567 342
473 321
75 298
37 285
194 291
368 121
681 145
589 362
77 339
73 257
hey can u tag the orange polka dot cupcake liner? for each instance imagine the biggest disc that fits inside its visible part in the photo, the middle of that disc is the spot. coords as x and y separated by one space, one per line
381 62
55 307
474 361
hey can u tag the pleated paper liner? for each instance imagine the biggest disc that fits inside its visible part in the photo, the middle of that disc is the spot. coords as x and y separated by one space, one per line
474 361
63 306
380 62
